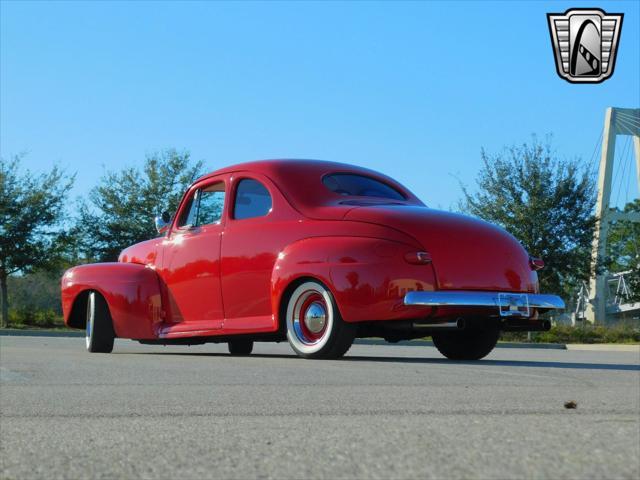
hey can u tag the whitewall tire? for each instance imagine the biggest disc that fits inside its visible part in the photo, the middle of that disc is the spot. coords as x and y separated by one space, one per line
315 328
99 335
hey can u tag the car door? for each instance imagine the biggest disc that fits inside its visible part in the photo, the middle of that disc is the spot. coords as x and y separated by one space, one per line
257 229
191 260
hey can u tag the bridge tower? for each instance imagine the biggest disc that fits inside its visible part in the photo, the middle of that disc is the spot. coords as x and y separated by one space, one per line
617 121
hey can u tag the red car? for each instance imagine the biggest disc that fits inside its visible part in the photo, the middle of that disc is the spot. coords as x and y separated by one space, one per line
314 252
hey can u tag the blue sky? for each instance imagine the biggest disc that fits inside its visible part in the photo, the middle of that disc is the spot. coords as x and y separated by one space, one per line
414 90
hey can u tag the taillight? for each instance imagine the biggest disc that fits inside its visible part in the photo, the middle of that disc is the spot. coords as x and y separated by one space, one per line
418 258
536 263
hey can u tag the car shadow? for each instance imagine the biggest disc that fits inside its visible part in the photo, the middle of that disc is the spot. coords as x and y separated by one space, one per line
420 360
502 363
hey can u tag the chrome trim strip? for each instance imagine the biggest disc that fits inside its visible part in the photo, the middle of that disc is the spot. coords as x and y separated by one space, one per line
479 299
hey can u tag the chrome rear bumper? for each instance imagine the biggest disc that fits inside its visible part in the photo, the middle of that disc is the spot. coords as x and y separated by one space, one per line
499 300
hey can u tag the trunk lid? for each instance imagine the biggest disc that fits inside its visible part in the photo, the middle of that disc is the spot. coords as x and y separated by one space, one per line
467 253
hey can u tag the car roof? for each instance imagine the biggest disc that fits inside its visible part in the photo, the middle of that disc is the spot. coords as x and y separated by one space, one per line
301 182
276 167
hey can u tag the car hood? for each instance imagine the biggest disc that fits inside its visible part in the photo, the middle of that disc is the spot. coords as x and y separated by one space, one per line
467 253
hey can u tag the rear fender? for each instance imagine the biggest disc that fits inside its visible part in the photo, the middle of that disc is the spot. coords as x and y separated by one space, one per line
132 292
303 259
367 276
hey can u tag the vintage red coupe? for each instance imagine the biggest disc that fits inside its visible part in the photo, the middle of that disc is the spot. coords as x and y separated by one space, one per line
315 252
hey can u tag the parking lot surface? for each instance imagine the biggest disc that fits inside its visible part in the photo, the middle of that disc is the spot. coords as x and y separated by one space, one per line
382 412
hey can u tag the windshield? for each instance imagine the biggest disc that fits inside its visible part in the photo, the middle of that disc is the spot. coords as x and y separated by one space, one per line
350 184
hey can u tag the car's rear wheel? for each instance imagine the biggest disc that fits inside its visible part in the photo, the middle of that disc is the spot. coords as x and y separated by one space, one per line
472 344
240 347
315 328
99 329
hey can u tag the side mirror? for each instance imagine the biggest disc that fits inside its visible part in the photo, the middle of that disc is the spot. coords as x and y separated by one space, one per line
163 222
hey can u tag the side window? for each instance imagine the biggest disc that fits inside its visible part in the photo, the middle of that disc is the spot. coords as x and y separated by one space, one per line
252 200
188 216
204 208
211 204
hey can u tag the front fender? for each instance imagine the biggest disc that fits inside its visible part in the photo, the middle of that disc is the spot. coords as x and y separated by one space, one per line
367 276
132 292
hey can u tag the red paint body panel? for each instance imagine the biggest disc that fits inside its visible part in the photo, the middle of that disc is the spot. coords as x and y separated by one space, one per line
192 280
367 276
231 277
467 253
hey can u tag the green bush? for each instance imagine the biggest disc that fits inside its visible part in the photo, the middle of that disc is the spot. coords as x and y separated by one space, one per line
34 300
620 333
30 317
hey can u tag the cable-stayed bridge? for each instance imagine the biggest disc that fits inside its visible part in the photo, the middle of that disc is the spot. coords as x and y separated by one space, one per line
608 295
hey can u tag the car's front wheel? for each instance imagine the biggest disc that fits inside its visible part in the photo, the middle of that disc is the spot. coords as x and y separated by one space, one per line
315 328
99 329
472 344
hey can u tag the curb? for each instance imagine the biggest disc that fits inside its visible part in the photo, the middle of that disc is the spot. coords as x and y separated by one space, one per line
586 347
603 347
40 333
360 341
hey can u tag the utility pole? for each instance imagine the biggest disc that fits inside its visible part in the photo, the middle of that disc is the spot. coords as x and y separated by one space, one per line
617 121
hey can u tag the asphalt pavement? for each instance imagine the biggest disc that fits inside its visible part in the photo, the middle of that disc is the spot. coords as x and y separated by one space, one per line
382 412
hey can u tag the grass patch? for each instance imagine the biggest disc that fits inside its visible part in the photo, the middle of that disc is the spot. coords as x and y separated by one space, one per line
62 328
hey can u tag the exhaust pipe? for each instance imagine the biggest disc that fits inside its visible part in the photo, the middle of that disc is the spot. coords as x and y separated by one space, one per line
458 324
535 326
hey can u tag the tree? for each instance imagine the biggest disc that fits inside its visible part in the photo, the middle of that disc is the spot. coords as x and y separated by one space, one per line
546 203
31 214
623 250
121 208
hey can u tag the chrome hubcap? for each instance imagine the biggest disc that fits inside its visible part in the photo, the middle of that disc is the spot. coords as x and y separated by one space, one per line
315 318
309 319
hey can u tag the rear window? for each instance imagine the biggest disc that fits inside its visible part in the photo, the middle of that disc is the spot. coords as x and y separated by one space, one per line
350 184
